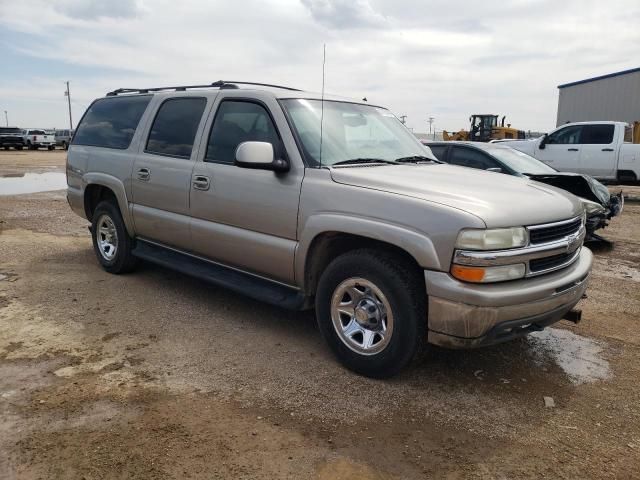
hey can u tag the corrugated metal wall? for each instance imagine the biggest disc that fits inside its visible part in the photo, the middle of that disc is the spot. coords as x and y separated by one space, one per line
614 98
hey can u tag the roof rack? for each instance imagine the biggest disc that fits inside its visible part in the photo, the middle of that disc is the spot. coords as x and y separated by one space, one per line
221 84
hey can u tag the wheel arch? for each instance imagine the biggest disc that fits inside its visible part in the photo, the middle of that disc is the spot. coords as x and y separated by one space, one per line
318 246
100 187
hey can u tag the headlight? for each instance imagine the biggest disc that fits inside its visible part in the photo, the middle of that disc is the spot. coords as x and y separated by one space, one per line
488 274
592 208
493 239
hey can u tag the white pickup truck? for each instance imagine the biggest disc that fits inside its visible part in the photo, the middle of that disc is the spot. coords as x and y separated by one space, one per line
600 149
35 139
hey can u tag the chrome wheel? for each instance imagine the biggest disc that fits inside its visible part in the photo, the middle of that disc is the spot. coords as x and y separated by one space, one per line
361 316
107 237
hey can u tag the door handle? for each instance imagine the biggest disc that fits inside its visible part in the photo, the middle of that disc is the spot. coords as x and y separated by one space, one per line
573 149
200 182
144 174
607 149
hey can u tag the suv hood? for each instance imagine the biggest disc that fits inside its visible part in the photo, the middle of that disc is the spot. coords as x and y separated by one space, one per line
499 200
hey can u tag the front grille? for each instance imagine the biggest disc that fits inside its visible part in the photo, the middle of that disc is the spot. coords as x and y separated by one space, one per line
554 232
541 264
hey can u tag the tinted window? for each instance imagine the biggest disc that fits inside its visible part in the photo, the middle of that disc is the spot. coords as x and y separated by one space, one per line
10 130
238 122
111 122
597 134
438 151
566 136
37 132
469 157
174 128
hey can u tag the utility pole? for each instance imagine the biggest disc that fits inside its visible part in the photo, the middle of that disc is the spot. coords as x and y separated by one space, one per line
68 95
403 119
6 118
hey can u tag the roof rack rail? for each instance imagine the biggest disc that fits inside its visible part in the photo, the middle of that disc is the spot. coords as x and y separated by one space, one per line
221 84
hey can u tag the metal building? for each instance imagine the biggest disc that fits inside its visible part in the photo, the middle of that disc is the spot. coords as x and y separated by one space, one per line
609 97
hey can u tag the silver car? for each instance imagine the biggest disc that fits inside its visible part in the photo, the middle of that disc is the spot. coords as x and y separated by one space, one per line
310 202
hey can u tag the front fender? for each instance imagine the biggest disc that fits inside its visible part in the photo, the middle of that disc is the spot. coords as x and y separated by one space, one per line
413 242
118 188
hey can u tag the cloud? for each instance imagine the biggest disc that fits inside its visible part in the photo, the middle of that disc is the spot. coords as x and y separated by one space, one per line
418 58
344 14
94 9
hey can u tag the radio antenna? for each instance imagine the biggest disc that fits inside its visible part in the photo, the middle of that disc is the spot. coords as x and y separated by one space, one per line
324 60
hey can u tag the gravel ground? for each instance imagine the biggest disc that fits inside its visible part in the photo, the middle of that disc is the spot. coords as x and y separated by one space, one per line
156 375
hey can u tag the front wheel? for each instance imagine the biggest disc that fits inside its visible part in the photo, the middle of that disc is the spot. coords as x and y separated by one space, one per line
371 310
111 242
19 147
50 147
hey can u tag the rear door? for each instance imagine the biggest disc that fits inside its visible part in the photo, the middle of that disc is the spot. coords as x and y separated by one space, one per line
161 175
562 149
246 218
598 154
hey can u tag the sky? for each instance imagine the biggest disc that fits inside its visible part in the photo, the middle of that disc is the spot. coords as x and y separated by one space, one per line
419 58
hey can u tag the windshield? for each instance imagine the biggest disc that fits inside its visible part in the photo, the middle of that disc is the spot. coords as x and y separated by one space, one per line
520 162
350 131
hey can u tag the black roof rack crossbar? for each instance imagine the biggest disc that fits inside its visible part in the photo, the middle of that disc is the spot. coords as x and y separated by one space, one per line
181 88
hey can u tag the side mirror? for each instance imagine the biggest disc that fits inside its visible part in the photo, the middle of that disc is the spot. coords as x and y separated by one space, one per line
259 155
494 169
543 141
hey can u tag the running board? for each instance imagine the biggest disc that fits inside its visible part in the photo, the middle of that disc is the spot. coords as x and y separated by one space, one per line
246 284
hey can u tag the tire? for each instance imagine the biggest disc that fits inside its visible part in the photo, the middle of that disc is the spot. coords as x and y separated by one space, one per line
19 147
393 285
29 146
5 147
65 145
106 222
50 147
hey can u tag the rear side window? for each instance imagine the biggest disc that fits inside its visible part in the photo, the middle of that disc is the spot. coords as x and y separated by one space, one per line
438 151
111 122
174 128
469 157
597 134
237 122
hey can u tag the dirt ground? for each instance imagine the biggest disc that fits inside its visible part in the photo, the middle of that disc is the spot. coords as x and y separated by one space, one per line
155 375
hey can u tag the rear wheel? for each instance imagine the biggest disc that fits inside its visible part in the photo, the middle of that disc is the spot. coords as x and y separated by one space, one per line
50 147
18 147
111 242
5 147
65 145
371 310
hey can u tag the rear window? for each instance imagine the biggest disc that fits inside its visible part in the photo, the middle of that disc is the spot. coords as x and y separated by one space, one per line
37 132
111 122
10 130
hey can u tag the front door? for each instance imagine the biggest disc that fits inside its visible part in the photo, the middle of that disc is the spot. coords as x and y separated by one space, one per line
161 175
562 149
241 217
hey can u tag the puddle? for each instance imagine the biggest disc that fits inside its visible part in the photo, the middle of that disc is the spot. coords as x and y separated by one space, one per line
32 182
579 357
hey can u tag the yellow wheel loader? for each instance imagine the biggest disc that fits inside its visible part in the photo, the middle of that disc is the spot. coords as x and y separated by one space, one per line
484 127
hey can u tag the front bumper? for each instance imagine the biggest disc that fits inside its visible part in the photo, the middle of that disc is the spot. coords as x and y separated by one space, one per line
463 315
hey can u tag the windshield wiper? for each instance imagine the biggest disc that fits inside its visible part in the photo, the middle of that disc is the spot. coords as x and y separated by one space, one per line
356 161
416 159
